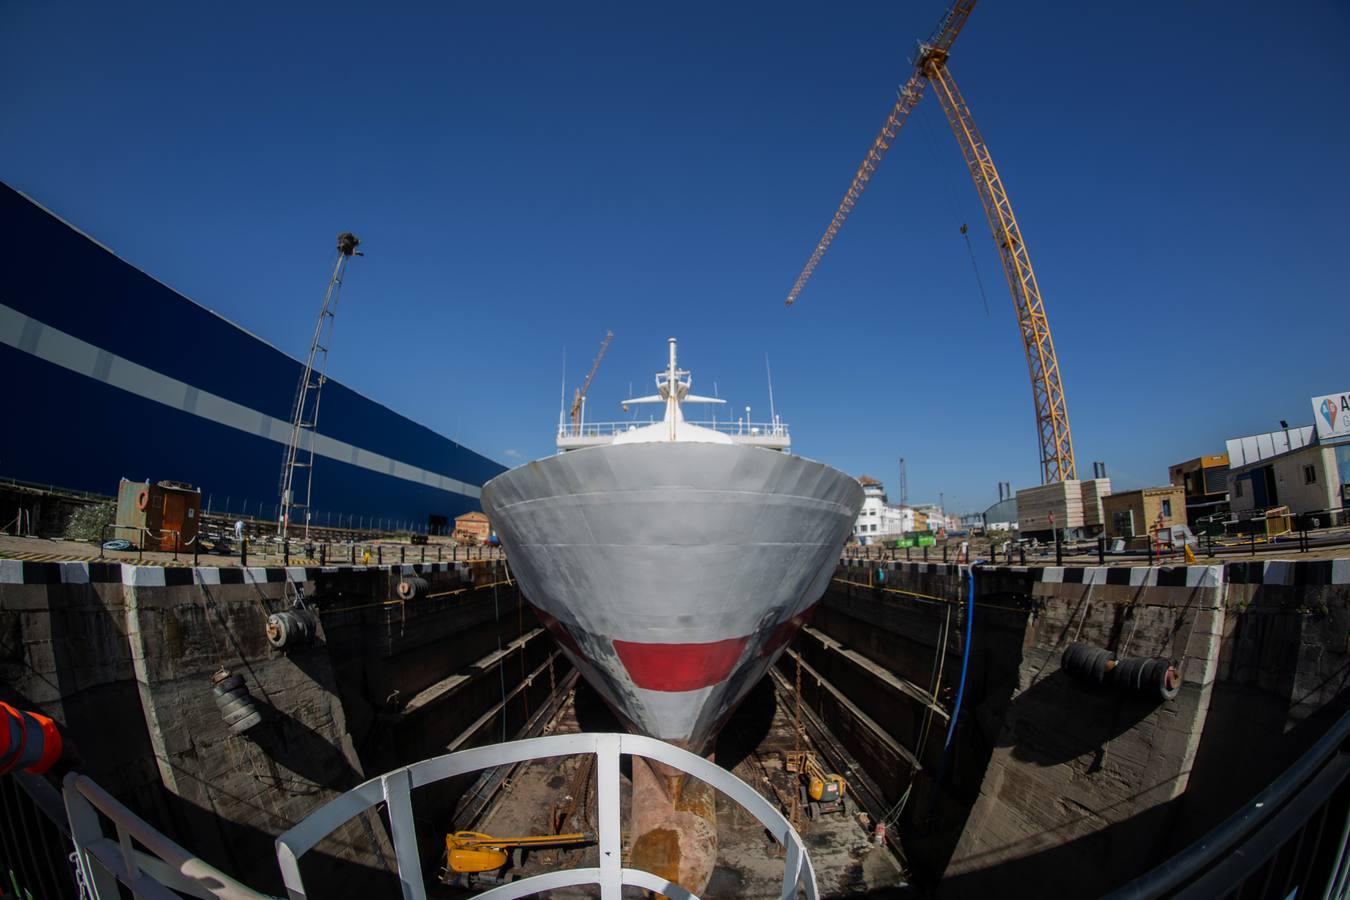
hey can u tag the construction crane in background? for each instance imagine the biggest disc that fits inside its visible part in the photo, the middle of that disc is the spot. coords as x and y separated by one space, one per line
305 410
930 68
586 385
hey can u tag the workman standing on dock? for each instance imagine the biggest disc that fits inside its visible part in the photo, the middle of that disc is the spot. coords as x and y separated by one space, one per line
238 531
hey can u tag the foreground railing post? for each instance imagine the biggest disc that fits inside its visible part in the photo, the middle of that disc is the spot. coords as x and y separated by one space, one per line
85 828
397 796
607 805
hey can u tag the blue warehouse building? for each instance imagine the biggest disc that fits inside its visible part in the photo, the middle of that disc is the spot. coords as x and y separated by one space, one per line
98 390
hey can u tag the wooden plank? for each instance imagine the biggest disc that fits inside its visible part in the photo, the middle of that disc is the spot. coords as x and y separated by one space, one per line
903 685
867 722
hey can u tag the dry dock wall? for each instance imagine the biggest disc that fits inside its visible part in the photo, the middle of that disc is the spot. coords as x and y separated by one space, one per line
121 656
1050 784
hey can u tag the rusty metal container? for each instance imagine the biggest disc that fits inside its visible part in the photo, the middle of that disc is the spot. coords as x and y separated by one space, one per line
158 515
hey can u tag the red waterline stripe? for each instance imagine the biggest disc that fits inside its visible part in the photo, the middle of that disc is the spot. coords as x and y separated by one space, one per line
679 667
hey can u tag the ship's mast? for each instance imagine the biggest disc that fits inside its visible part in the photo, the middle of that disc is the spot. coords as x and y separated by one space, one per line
672 392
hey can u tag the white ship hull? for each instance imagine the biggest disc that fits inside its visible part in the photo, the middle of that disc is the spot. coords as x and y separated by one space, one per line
673 573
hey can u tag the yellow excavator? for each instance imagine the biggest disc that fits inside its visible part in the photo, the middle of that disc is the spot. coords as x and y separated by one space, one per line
821 792
475 858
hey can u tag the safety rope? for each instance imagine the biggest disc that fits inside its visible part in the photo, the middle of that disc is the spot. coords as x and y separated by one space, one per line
951 194
501 658
935 684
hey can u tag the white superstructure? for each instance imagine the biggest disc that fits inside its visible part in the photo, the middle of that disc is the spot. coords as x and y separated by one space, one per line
672 387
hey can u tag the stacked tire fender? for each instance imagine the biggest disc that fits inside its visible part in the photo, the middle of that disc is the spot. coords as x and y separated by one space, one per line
296 627
29 741
1152 677
237 706
411 587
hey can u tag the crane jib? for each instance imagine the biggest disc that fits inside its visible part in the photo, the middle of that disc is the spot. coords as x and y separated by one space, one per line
930 67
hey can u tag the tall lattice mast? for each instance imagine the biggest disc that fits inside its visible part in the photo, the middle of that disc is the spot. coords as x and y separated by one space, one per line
305 412
1047 387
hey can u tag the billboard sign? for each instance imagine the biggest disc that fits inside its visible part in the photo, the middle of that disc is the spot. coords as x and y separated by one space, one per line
1332 414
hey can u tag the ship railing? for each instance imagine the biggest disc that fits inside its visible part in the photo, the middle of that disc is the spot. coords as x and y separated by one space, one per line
733 427
165 872
394 791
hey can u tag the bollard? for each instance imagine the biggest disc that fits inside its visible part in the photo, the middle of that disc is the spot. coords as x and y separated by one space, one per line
1101 549
323 554
1023 552
379 554
286 550
196 545
906 554
402 553
944 552
1059 549
925 553
243 551
353 554
424 553
1150 553
1251 539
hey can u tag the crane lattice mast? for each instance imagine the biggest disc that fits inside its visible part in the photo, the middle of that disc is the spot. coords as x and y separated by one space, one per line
586 386
305 411
1052 414
930 67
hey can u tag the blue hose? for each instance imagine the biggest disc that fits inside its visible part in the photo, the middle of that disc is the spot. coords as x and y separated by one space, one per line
965 668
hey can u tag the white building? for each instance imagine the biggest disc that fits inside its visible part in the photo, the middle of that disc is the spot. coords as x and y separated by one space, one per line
1295 467
878 519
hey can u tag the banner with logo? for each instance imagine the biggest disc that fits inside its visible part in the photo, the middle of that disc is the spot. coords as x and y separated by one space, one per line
1332 414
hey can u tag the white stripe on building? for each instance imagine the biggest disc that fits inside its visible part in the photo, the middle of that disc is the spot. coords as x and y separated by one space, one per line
69 352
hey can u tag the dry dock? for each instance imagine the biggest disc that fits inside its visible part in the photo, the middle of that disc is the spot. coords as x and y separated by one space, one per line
1045 783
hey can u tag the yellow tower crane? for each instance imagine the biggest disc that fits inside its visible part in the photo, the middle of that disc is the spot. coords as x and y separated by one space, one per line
586 385
930 68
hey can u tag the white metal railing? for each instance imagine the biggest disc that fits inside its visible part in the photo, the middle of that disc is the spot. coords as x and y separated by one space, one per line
162 874
734 427
394 790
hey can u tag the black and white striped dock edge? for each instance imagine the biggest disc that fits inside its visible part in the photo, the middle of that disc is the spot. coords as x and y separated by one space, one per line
1310 573
20 571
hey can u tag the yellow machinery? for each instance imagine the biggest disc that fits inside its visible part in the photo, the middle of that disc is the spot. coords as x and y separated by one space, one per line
930 68
471 856
821 792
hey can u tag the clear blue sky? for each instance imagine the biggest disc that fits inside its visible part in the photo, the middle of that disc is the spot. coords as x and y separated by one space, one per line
526 177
